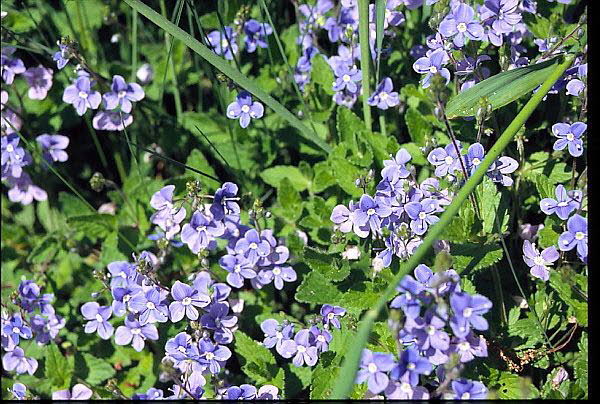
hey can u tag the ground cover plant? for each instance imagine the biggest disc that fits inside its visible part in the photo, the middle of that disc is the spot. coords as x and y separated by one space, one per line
305 199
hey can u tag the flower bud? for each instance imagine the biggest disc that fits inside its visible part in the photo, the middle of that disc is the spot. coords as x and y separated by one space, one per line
97 182
145 73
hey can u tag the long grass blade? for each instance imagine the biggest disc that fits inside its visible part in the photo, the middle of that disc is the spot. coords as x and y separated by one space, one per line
365 58
169 61
222 65
347 373
379 22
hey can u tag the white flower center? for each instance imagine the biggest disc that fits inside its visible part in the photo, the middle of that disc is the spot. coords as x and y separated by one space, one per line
371 212
448 160
276 271
278 335
579 235
563 203
137 331
10 148
539 261
346 78
383 95
406 388
186 301
301 349
210 356
433 69
237 268
430 330
245 109
181 349
465 396
321 338
224 43
411 366
464 346
126 298
98 318
467 312
253 246
150 306
461 27
201 228
372 367
122 94
570 137
330 315
422 215
476 161
83 94
16 330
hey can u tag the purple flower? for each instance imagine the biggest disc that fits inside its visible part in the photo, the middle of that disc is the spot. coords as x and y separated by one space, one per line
17 361
39 80
16 329
429 332
384 97
460 23
180 347
46 329
577 86
134 333
564 204
224 204
279 274
498 170
347 78
371 211
468 311
219 320
121 273
97 317
373 369
569 135
62 56
244 109
80 392
201 231
151 394
467 390
239 268
111 120
18 391
446 160
168 217
224 43
122 94
410 366
575 236
81 95
432 64
13 156
330 315
474 157
305 351
342 217
322 338
256 34
275 334
503 15
211 355
268 392
404 391
395 168
539 262
252 246
422 214
9 66
23 190
218 292
243 392
186 299
469 347
53 147
151 307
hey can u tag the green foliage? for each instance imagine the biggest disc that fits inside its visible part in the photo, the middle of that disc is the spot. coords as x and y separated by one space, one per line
57 368
257 361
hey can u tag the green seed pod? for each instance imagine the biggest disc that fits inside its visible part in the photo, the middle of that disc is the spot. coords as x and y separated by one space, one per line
97 182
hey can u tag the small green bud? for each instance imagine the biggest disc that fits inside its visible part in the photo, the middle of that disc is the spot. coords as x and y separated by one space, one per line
97 182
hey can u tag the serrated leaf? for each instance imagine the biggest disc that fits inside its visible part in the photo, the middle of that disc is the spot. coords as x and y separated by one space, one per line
565 288
488 199
418 127
94 225
322 74
141 377
581 363
346 174
99 369
58 370
332 268
473 257
323 177
315 288
500 89
290 200
44 250
511 386
324 376
257 361
274 175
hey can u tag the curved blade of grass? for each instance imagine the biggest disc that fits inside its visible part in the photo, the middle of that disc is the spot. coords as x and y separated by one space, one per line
501 89
365 57
347 373
169 62
221 64
379 21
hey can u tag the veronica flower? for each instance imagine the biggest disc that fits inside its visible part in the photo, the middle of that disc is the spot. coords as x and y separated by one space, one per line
97 317
17 361
201 231
322 338
539 262
168 217
498 170
245 109
577 86
135 333
62 56
39 80
275 334
185 301
564 204
404 391
330 315
373 369
468 312
16 329
460 23
24 191
151 307
80 392
431 65
252 246
347 78
53 147
122 94
239 268
306 352
224 203
469 347
224 43
256 34
45 329
384 97
219 320
342 217
10 66
503 15
211 355
243 392
463 389
575 236
410 366
81 95
13 157
446 160
111 120
19 390
474 157
569 135
371 211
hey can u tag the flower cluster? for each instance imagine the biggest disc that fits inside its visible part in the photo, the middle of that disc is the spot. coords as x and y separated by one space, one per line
305 346
36 319
437 336
402 210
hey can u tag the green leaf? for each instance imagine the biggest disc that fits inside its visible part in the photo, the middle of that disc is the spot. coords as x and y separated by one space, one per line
542 163
475 256
99 369
347 125
332 268
274 175
322 74
44 250
345 174
581 363
418 127
58 370
290 201
323 177
501 89
316 288
544 187
488 199
324 376
511 386
257 361
198 161
71 205
564 285
223 65
94 225
141 377
460 228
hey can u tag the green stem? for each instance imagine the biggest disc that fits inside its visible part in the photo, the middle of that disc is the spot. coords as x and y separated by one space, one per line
350 365
171 63
134 45
365 58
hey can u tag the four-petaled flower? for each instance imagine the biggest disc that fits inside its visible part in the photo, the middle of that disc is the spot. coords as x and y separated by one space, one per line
460 23
575 236
538 262
384 96
135 333
53 147
348 78
422 214
373 369
201 231
39 80
122 94
565 203
97 317
569 135
468 312
446 160
330 315
433 64
245 109
185 301
81 95
410 366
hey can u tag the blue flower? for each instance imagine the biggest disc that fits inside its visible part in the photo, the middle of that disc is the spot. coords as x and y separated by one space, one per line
244 109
